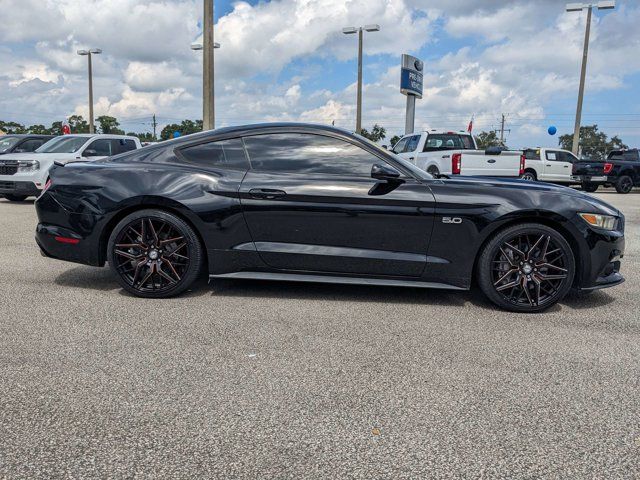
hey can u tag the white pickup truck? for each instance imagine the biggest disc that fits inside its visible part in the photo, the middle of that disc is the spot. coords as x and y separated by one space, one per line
552 165
25 174
456 153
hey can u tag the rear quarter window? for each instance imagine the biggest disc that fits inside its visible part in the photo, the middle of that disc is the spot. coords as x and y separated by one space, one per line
222 154
532 154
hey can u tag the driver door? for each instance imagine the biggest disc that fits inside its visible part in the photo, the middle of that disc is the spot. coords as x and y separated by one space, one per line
311 205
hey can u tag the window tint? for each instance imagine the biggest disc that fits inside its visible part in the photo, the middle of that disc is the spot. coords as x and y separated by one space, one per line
225 153
628 155
566 157
531 154
399 147
308 153
31 145
444 142
125 145
412 144
467 142
102 147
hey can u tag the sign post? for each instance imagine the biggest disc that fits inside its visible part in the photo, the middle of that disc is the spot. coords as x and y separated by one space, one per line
411 86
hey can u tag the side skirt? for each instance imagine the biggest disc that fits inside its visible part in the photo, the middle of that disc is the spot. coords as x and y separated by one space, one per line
295 277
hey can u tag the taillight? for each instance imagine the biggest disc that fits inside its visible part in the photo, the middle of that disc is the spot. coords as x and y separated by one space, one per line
456 163
522 160
608 167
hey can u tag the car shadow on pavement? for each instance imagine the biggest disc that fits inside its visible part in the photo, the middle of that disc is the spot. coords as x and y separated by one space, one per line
336 292
92 278
598 298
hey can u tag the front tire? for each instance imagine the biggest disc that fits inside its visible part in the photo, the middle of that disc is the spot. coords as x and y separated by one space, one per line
154 254
589 187
624 184
15 198
526 268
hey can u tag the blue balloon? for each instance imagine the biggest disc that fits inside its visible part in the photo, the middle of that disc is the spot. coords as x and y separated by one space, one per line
176 134
552 130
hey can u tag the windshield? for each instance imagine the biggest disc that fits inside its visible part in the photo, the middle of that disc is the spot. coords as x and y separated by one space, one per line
63 145
6 142
421 174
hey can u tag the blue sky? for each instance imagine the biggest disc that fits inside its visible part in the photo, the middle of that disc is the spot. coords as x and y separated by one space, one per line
287 60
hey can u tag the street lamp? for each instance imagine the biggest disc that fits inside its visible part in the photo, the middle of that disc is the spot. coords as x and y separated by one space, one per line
578 7
88 53
208 87
358 30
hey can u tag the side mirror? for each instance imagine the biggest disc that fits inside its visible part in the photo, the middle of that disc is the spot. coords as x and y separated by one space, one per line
19 150
493 151
386 147
89 152
384 172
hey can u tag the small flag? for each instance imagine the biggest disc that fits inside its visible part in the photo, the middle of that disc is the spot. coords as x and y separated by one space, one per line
470 126
66 128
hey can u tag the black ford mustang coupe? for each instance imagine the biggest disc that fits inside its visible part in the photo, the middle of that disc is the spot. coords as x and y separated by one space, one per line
318 204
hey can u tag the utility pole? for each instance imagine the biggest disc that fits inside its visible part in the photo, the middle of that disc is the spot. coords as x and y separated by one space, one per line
578 7
208 117
155 124
502 129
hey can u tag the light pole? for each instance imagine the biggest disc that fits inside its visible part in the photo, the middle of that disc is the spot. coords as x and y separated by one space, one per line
359 30
88 53
208 105
578 7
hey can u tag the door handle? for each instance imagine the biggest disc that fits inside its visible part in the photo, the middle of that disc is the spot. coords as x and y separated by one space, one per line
412 158
445 156
266 193
566 166
548 164
491 160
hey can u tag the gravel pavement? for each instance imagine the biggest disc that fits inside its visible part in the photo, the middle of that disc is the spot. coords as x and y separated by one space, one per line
244 379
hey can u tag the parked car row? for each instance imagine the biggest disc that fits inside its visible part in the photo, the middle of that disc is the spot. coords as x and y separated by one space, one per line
24 172
456 153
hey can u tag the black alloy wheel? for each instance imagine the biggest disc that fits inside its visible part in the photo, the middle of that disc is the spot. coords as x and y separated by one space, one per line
526 268
624 184
154 254
528 176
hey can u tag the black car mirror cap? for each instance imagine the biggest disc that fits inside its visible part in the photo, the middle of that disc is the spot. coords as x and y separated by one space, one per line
384 172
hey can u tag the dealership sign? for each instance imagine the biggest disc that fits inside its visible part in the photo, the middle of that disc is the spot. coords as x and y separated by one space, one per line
411 76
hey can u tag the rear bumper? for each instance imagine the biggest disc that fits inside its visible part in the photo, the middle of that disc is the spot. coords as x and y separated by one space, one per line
19 188
68 236
592 178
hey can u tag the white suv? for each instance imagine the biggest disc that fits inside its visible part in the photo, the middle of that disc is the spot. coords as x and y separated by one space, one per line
25 174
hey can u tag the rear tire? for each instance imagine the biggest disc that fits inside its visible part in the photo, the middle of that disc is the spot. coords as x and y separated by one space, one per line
590 187
526 268
624 184
15 198
433 170
529 175
154 254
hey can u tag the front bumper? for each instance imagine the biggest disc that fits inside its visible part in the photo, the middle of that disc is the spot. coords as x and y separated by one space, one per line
600 267
19 188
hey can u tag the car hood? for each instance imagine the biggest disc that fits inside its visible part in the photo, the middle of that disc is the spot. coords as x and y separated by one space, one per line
540 187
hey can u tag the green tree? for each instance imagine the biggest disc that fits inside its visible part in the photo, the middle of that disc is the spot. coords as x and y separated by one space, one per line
487 139
78 124
395 139
109 125
38 129
593 143
186 127
144 136
56 128
12 127
377 133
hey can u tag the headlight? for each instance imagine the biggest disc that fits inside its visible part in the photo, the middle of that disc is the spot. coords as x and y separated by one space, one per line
25 166
606 222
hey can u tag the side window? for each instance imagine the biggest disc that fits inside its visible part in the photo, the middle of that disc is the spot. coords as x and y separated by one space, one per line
568 157
125 145
552 156
412 144
442 142
399 147
224 153
99 148
467 142
632 155
308 153
531 154
30 145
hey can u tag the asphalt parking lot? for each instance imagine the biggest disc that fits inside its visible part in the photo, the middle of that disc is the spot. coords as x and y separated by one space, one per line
244 379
